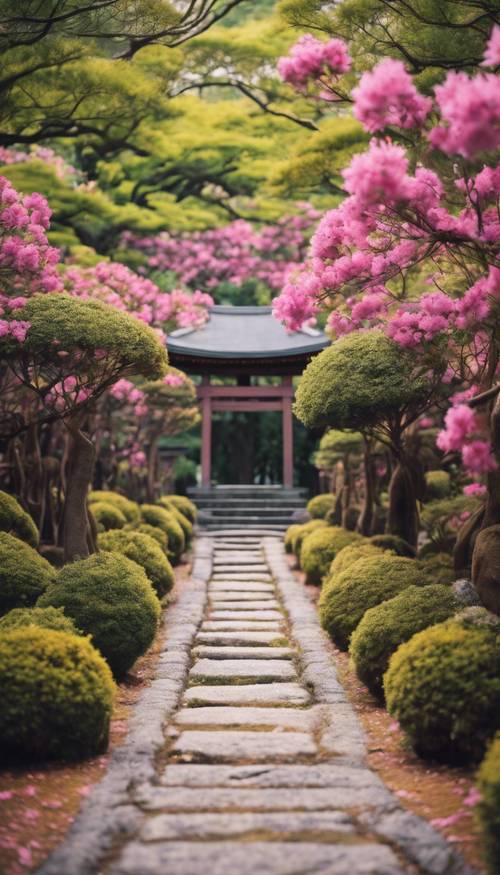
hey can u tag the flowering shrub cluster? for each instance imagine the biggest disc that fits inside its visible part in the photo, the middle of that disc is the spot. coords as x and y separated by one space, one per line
313 66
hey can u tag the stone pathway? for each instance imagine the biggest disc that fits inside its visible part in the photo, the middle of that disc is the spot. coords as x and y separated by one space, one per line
261 770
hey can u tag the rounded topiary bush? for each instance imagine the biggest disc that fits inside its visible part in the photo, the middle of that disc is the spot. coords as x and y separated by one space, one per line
24 574
438 484
107 516
145 551
488 811
186 507
443 685
368 582
57 696
154 532
110 598
439 568
350 554
320 505
319 548
383 628
395 543
43 618
15 520
157 516
129 509
289 536
185 524
303 531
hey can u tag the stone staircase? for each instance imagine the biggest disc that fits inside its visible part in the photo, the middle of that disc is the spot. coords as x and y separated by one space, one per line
271 508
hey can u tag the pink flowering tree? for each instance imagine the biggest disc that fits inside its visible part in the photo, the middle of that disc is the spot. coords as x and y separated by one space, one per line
413 248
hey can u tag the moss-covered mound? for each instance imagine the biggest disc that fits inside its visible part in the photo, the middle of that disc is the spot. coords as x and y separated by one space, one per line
24 574
383 628
146 552
162 519
184 522
350 554
107 516
438 484
154 532
186 507
395 543
488 781
110 598
289 537
439 568
319 548
443 685
303 530
129 509
320 505
15 520
57 696
43 618
368 582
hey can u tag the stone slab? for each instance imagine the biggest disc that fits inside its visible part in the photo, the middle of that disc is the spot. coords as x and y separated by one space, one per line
242 626
238 639
238 596
247 557
261 576
296 719
240 586
275 824
228 652
234 669
243 605
265 775
264 858
153 798
225 745
254 568
250 616
248 694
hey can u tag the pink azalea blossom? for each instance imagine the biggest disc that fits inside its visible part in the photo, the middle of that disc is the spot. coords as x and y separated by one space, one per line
460 423
470 109
492 53
387 96
477 457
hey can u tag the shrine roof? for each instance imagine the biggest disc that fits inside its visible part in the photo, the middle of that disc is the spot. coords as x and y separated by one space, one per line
245 333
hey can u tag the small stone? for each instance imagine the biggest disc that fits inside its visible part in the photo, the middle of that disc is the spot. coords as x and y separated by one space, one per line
228 652
259 615
258 670
248 694
238 639
226 745
221 826
296 719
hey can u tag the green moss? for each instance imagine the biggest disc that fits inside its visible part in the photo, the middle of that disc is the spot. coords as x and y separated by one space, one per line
393 542
110 598
350 554
107 516
443 685
24 574
319 506
15 520
186 507
438 484
146 552
488 811
439 568
157 516
384 627
57 696
302 532
129 509
319 548
43 618
368 582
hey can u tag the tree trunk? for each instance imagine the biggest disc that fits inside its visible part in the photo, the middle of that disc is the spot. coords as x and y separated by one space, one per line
492 509
366 517
80 474
402 518
152 467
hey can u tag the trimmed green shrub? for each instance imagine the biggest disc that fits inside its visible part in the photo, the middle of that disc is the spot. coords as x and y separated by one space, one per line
438 484
443 685
57 696
44 618
395 543
350 554
159 535
383 628
110 598
186 507
319 548
145 551
290 535
303 530
319 506
15 520
166 521
368 582
24 574
488 810
129 509
439 568
185 524
107 516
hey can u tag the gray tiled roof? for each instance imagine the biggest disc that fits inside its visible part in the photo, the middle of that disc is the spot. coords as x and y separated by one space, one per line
245 332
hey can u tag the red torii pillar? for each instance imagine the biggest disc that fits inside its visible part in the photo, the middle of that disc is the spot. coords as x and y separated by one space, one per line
253 399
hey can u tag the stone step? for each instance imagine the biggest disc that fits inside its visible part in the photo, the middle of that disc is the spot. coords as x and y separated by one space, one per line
229 568
237 638
250 616
256 576
249 596
274 824
242 626
228 652
334 775
225 745
296 719
240 586
247 694
245 604
233 670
